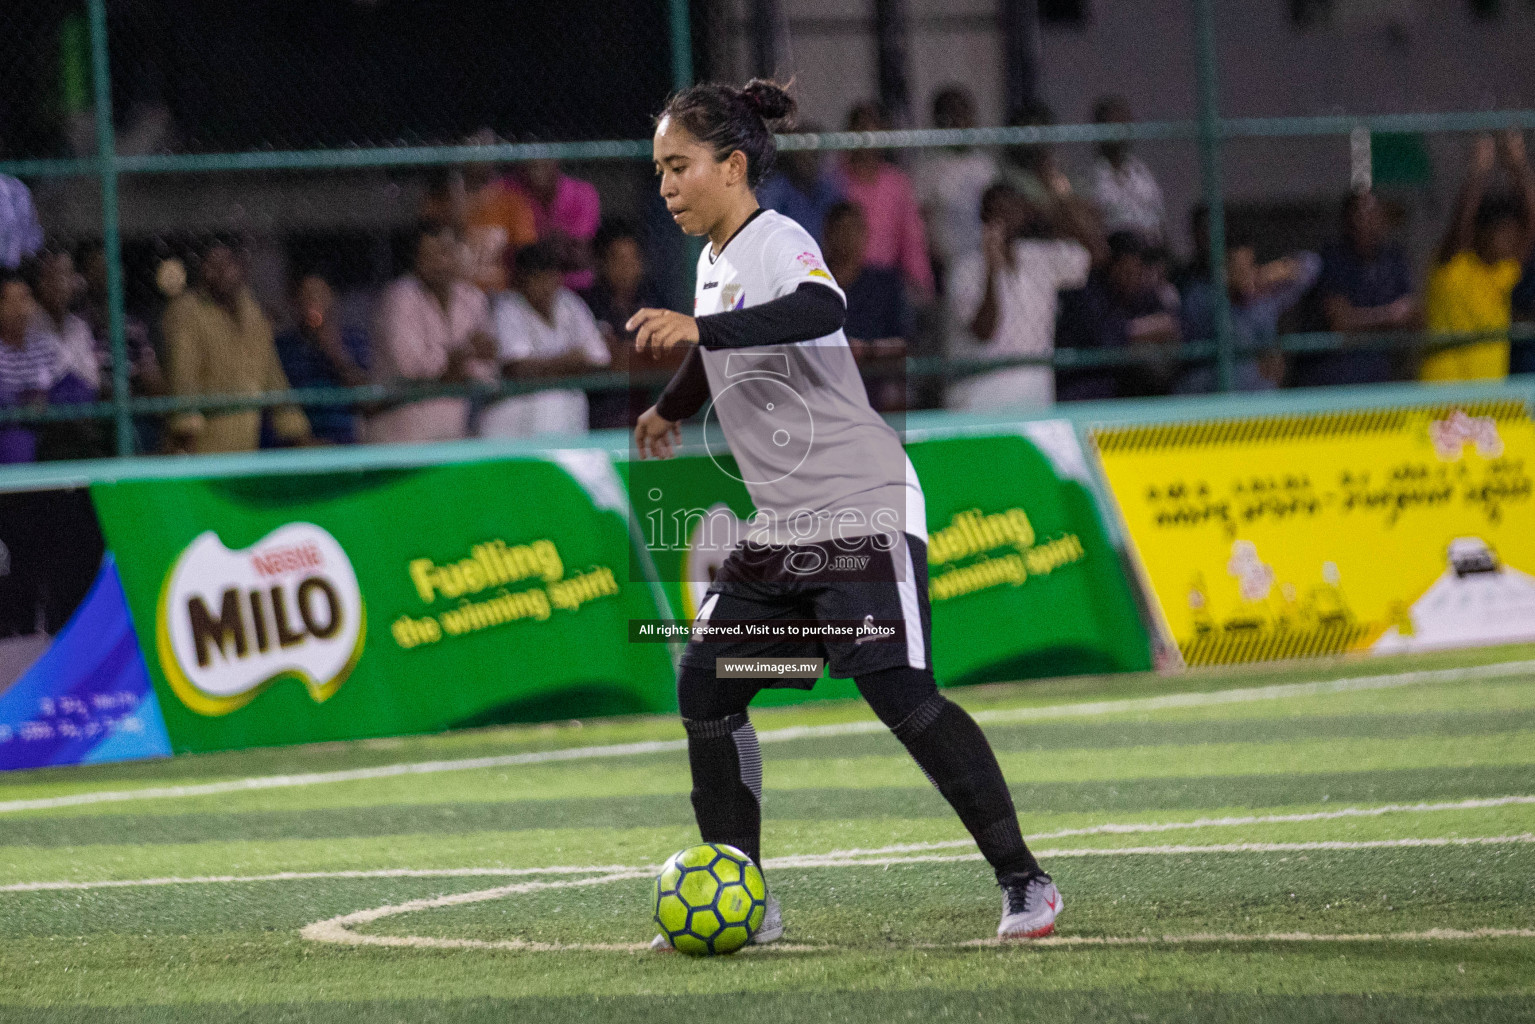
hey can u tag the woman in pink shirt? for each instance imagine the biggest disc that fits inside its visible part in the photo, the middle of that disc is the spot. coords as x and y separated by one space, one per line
566 211
897 239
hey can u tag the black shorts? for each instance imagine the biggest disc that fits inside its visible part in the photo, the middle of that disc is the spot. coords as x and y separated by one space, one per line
850 580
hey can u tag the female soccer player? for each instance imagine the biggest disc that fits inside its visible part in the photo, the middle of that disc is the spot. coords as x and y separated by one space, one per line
840 530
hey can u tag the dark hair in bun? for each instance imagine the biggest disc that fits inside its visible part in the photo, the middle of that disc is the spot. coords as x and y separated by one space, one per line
771 100
726 119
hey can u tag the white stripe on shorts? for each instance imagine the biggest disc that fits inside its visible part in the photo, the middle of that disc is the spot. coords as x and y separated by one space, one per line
708 606
911 611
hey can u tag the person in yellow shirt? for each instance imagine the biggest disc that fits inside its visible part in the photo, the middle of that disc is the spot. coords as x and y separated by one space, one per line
1471 287
219 342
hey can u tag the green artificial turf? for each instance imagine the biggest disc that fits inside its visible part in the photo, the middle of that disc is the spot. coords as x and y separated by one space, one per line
1157 925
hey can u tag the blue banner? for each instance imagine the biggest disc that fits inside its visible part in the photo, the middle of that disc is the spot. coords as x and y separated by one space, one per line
87 698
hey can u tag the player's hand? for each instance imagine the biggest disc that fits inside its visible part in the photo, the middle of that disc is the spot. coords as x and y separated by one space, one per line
656 436
658 330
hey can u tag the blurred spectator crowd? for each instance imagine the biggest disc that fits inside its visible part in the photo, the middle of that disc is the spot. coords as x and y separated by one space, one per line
963 252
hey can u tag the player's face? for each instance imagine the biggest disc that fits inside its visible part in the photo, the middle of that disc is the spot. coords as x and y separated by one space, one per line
693 183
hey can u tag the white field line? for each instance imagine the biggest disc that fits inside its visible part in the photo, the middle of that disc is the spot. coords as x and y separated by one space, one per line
1177 700
1110 828
882 857
1140 827
825 861
338 929
306 876
1431 935
316 933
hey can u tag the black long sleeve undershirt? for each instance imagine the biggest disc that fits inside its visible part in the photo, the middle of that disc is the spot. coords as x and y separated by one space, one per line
810 311
687 391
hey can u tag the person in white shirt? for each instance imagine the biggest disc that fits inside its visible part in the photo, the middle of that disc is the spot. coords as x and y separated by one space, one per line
543 329
949 183
1005 300
1124 189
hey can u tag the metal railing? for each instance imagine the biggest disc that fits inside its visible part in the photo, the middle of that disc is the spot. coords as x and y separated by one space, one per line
1209 131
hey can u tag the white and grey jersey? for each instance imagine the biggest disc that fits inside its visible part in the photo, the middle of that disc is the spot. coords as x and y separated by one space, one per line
817 460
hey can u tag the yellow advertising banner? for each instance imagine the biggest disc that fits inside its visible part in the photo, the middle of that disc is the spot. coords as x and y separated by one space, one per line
1388 530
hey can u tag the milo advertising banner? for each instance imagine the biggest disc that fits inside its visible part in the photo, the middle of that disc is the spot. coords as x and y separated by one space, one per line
149 616
1022 579
318 607
1386 530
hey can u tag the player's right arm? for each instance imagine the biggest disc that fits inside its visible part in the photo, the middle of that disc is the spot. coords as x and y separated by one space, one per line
655 436
659 428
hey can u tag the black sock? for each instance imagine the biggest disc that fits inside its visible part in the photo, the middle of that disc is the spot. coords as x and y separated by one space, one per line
727 782
954 753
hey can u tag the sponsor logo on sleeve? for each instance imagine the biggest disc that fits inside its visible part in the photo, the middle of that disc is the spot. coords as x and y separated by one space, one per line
812 266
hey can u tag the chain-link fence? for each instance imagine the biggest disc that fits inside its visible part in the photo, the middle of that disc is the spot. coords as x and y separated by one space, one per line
309 139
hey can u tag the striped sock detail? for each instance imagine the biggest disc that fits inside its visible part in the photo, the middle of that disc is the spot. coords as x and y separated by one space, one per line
749 754
916 723
715 728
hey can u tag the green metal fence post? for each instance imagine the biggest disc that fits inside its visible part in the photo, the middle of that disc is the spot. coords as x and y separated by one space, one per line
1214 190
111 241
682 45
682 77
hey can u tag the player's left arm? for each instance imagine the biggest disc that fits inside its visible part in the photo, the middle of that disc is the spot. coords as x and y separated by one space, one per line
805 300
810 311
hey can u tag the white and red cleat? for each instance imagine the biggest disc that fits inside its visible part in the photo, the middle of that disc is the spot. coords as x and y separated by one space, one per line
1029 907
